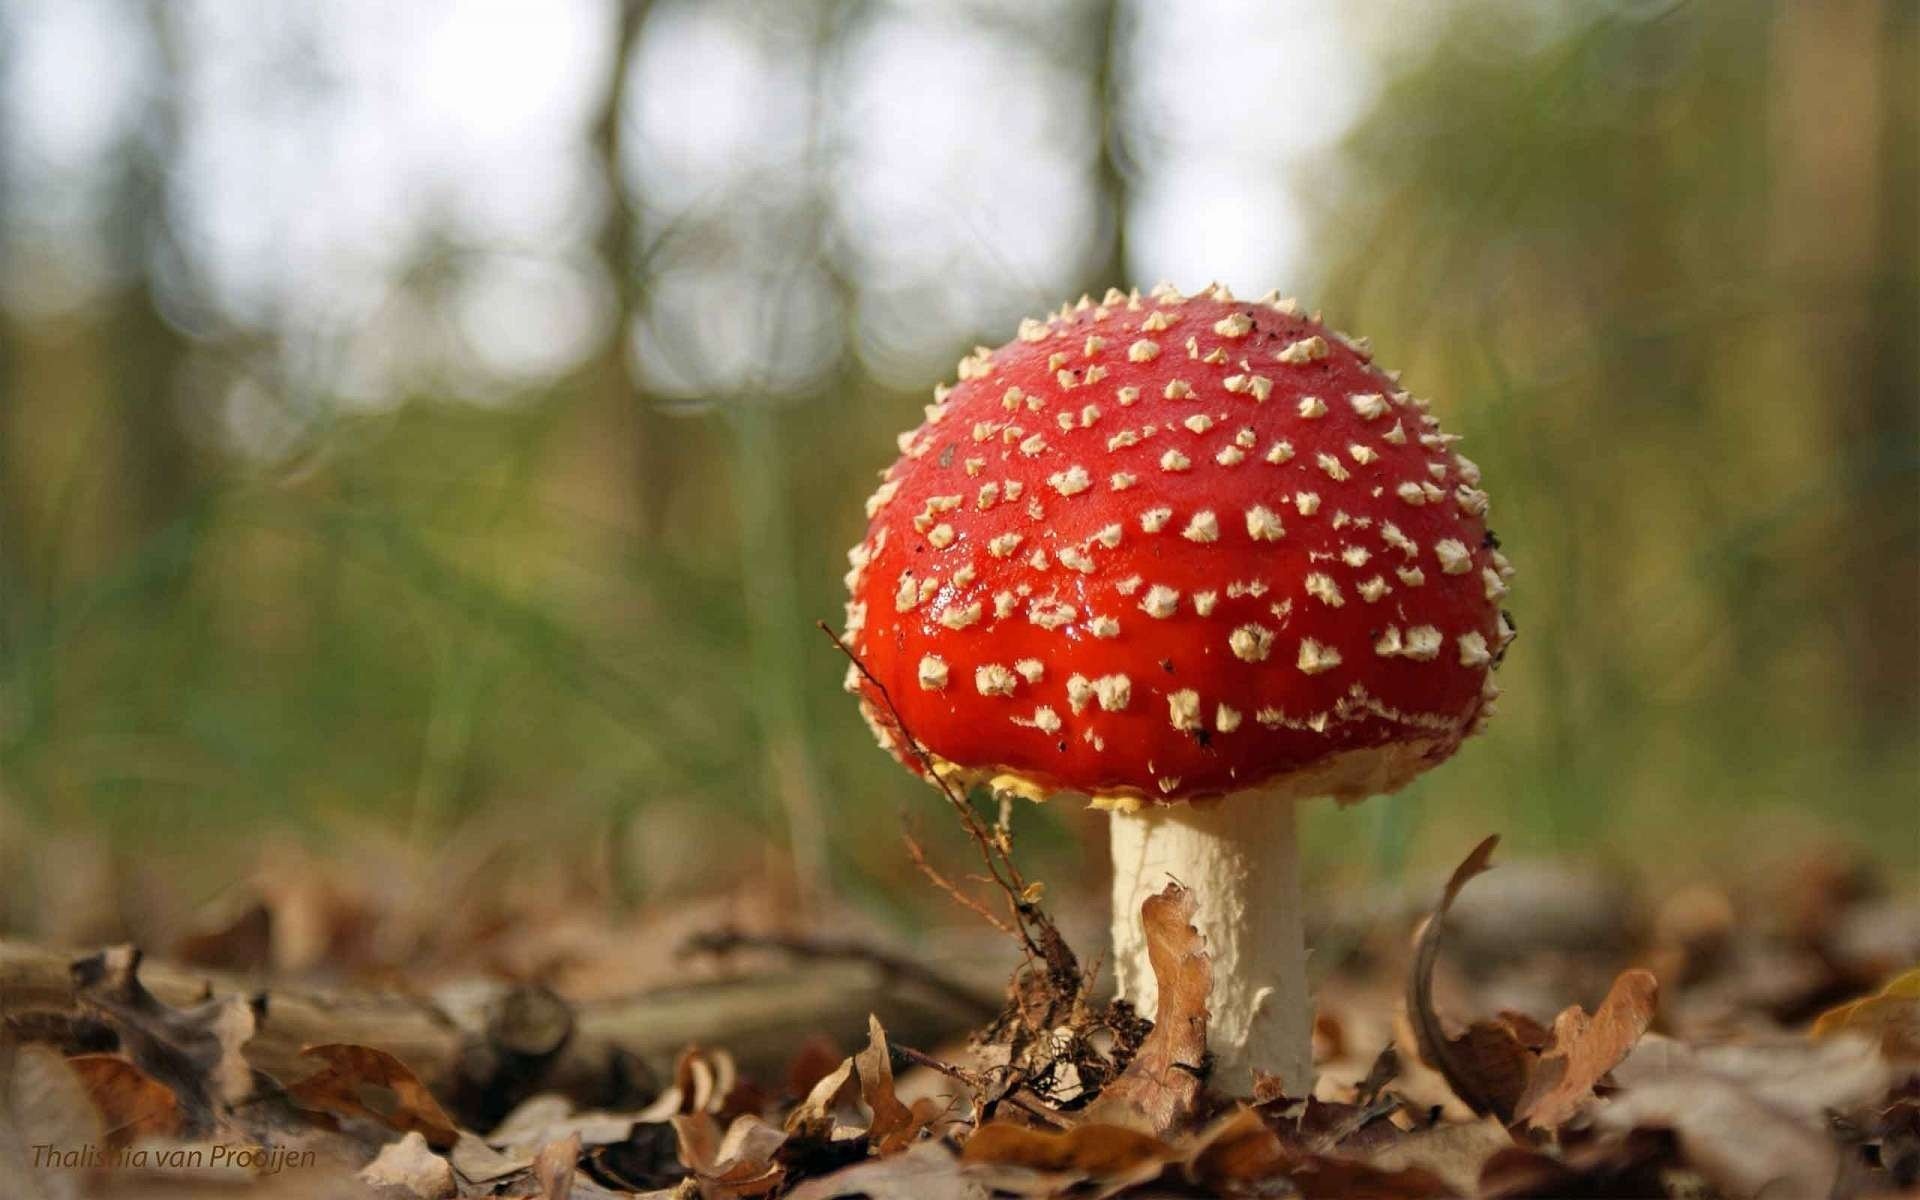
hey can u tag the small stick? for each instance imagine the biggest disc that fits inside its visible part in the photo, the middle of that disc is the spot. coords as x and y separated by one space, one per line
1018 1097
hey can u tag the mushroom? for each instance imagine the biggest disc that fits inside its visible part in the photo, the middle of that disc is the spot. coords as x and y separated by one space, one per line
1193 558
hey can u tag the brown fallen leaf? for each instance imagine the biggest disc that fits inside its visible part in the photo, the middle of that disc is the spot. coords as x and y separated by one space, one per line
554 1168
1891 1017
1160 1089
1322 1178
1114 1156
1629 1166
705 1078
893 1123
133 1105
410 1167
1739 1143
1800 1078
831 1111
1585 1048
1235 1152
546 1118
924 1171
1487 1066
478 1163
342 1086
739 1162
42 1103
815 1059
1453 1152
195 1052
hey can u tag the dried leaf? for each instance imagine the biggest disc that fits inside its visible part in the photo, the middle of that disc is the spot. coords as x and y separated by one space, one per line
1797 1077
738 1163
813 1061
705 1078
1742 1145
554 1168
42 1103
341 1087
1160 1088
1486 1067
1585 1048
1321 1178
549 1118
132 1104
480 1163
924 1171
1325 1126
831 1112
1235 1152
1113 1155
409 1165
1891 1017
1454 1153
1492 1062
1629 1166
856 1099
195 1052
893 1123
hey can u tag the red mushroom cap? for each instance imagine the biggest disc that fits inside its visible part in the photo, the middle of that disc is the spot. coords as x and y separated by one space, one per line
1171 547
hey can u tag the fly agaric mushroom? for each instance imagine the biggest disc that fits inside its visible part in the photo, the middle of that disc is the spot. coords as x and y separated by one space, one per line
1196 559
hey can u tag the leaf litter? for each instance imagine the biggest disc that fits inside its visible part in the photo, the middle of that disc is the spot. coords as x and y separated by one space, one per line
1655 1091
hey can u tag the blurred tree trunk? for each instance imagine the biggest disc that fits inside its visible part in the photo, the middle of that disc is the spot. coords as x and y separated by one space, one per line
143 352
1847 188
621 461
1109 38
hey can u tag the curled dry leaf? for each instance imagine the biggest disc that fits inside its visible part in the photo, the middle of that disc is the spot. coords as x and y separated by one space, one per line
1585 1048
1486 1067
1508 1067
195 1052
1890 1017
739 1162
892 1122
856 1099
132 1104
1160 1089
345 1086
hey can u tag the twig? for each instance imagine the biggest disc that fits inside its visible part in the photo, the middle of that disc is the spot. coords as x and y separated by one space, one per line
1018 1097
963 998
1006 875
918 854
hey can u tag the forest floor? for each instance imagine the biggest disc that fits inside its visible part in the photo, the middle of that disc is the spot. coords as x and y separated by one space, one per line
1743 1041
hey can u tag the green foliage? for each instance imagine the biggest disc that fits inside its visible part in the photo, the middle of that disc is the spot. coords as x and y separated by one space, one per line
1604 240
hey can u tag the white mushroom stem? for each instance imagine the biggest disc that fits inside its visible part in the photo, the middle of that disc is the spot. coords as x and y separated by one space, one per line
1241 858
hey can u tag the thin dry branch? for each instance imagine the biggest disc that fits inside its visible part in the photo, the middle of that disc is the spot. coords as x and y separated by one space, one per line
1037 934
1021 1097
918 853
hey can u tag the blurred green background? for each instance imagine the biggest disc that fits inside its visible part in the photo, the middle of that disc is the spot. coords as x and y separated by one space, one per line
442 417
